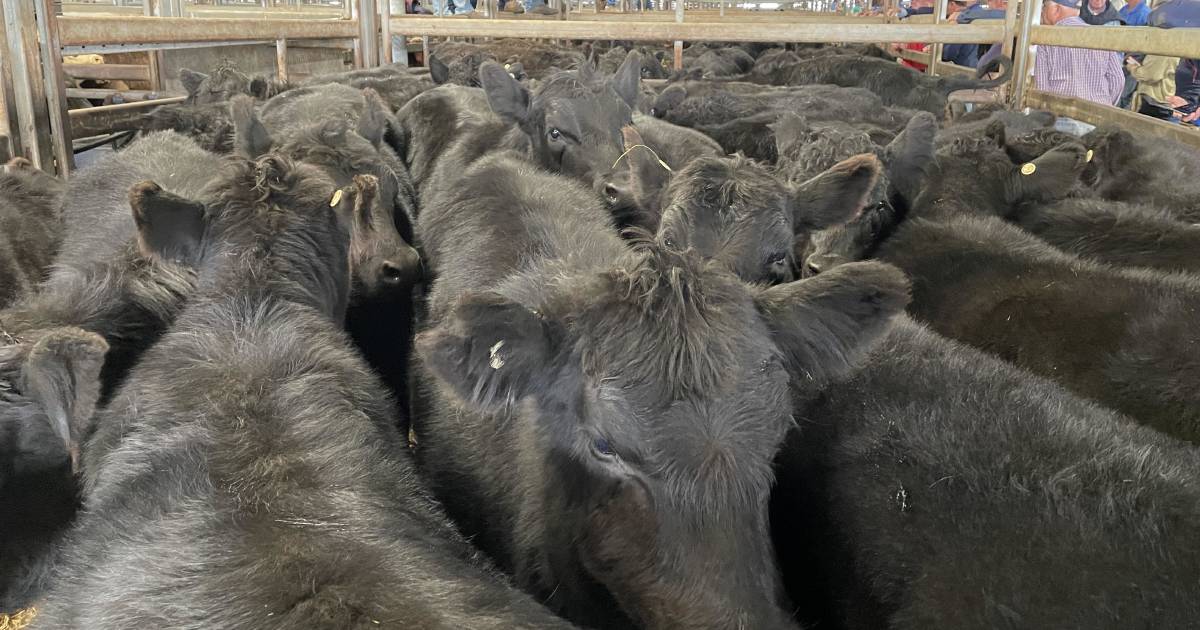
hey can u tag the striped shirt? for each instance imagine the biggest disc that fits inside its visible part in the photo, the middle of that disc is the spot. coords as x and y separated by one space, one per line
1093 75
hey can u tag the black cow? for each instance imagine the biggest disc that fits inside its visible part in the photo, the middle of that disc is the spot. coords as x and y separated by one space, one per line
1116 233
896 507
387 265
570 124
655 63
683 104
66 347
224 83
30 226
1146 171
739 213
1121 337
897 85
258 470
939 487
593 415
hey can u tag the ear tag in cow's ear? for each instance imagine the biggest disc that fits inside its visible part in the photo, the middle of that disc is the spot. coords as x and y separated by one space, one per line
337 198
1090 154
494 359
508 66
1029 168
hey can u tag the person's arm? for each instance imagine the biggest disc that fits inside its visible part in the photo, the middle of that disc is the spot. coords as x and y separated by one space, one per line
1151 71
1115 77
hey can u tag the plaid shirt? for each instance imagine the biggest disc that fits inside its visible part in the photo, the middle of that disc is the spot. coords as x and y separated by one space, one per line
1093 75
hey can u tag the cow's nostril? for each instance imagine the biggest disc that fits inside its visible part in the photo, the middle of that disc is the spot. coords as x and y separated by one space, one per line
391 273
611 193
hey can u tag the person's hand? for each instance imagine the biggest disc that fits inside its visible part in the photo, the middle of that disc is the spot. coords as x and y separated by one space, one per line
1131 62
1176 101
1192 116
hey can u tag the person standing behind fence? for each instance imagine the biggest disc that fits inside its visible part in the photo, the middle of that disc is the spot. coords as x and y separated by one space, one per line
1100 13
1187 90
1155 77
1093 75
1135 13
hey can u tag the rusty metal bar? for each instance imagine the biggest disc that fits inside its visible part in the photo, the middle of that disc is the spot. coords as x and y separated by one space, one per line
700 31
98 121
281 62
86 31
107 71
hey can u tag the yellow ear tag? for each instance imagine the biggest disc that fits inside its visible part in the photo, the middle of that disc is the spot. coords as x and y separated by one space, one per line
508 66
1090 155
1029 168
337 198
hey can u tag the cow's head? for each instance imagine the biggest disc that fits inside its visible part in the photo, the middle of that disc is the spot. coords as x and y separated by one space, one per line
385 260
573 119
283 225
651 401
736 212
852 241
223 84
976 175
635 189
671 97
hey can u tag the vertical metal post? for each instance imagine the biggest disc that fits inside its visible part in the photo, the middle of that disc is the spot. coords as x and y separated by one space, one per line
360 44
9 124
385 30
368 32
425 49
939 17
1022 67
281 64
50 53
29 92
679 43
1010 27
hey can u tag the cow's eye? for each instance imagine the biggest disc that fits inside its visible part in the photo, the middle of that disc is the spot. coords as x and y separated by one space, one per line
654 112
779 260
603 447
555 133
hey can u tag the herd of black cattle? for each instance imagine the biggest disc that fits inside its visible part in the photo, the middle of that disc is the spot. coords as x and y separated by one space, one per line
781 341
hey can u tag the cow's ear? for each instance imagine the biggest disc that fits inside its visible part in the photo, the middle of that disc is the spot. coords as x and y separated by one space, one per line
438 70
586 71
836 195
490 351
62 374
169 227
373 123
907 159
997 133
628 79
191 80
507 98
251 138
826 324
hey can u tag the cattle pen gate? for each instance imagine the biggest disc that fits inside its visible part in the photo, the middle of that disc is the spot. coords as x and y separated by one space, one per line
35 120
